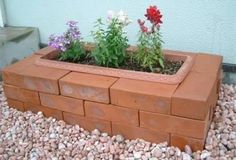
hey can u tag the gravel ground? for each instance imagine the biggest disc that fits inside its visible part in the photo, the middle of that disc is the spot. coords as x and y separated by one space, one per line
32 136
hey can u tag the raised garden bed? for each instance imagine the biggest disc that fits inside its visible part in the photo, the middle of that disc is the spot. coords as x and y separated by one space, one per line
116 101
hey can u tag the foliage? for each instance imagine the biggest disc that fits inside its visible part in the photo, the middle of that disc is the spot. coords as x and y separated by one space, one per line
69 43
149 54
111 42
74 53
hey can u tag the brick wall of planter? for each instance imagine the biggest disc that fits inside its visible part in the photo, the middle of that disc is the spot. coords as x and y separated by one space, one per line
179 114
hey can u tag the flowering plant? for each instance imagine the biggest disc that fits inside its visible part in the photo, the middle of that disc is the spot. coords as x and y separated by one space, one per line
69 43
149 54
111 42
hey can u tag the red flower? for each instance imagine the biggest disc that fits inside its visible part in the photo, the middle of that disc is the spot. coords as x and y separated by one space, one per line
154 15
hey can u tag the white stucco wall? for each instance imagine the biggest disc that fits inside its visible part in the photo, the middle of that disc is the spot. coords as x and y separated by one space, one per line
2 14
188 25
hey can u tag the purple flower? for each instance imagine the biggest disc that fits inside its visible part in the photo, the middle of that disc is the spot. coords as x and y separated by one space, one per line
64 41
58 42
72 32
72 24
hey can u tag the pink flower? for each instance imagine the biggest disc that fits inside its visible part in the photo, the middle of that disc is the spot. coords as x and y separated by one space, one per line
143 28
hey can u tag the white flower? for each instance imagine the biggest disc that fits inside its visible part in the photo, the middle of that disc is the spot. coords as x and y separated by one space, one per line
110 15
121 13
121 16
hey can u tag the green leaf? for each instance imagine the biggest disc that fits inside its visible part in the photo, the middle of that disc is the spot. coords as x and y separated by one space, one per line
161 62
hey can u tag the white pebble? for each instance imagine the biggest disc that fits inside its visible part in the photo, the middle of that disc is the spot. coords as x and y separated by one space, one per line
1 150
187 149
95 132
119 138
234 106
186 156
157 152
137 155
205 155
61 146
52 135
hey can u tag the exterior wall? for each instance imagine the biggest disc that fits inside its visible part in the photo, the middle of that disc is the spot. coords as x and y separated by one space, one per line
198 26
2 14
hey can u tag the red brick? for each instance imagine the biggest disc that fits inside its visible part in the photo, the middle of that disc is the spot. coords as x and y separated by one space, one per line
62 103
112 113
173 124
193 97
207 63
46 50
25 74
131 132
86 86
180 141
16 104
20 94
149 96
48 112
192 54
88 123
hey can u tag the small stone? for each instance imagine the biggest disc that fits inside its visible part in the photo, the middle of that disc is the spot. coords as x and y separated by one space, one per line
104 134
178 152
103 139
95 132
52 135
130 149
40 114
205 154
137 155
171 152
196 156
153 158
112 149
122 156
147 154
1 150
90 156
209 147
119 138
186 156
234 106
157 152
188 150
234 122
61 146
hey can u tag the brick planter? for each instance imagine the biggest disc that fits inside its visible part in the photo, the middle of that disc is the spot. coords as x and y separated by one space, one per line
47 61
179 113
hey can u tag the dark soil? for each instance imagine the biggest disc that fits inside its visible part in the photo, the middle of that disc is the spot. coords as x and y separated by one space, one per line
171 67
